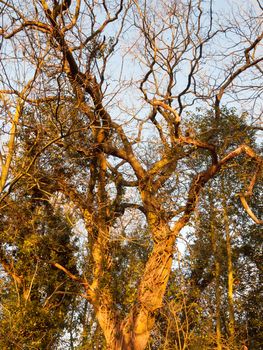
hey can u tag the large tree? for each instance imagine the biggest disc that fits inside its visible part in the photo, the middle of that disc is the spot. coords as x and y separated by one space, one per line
96 104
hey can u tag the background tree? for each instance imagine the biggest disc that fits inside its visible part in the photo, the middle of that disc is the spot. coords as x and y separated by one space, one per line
35 295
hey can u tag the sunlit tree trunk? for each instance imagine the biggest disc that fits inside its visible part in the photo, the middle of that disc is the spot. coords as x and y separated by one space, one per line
230 277
218 304
217 277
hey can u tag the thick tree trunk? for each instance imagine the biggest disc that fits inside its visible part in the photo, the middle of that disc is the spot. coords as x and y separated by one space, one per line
134 331
101 296
137 326
109 323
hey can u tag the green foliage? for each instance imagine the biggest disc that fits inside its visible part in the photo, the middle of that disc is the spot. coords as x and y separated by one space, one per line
35 296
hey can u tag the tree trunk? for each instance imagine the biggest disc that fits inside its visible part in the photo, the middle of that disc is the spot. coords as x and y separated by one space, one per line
137 326
134 331
230 279
217 279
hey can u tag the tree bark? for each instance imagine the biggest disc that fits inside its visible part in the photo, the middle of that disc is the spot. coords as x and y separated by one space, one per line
230 280
217 278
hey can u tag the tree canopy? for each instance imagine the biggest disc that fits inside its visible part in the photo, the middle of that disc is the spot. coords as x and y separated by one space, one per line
130 173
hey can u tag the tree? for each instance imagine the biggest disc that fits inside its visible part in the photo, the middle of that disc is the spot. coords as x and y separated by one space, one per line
83 143
204 306
35 296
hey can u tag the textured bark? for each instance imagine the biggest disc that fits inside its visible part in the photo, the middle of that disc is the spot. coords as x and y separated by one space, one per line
133 332
153 284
